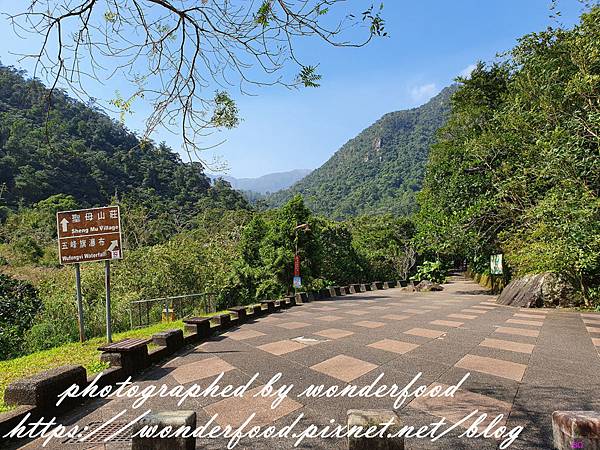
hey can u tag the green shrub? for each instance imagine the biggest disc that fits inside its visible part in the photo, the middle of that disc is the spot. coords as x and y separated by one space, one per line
432 271
19 305
27 249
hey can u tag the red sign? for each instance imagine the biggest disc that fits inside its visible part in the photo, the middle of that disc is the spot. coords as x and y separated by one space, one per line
296 266
89 235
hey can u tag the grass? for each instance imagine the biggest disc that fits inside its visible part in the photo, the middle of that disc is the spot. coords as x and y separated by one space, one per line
84 354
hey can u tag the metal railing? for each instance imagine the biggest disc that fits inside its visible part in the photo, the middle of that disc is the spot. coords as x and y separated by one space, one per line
143 313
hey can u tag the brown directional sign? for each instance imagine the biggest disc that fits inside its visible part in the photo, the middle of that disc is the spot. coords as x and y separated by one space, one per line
89 235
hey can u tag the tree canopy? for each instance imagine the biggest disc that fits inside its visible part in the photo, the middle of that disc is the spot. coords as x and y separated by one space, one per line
182 57
517 167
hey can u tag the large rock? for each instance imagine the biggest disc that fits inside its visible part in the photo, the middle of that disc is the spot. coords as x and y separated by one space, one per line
542 290
365 419
426 286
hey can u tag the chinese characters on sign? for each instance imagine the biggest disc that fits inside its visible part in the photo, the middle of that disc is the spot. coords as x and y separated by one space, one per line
296 266
297 279
89 235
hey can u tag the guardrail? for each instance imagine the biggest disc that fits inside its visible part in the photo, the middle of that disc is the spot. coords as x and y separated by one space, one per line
143 313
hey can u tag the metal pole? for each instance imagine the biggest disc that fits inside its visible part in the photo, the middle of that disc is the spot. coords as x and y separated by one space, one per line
107 285
79 303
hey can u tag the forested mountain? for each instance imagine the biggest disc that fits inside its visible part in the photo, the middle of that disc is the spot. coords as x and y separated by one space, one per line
380 170
83 153
271 182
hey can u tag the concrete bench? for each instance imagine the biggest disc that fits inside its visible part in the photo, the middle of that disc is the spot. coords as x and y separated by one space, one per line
198 325
42 390
366 287
10 419
377 285
240 312
301 297
129 354
335 291
389 284
223 320
576 429
271 305
171 339
325 293
257 311
355 288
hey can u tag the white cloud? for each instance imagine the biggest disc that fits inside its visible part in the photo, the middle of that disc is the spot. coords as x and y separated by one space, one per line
466 72
423 92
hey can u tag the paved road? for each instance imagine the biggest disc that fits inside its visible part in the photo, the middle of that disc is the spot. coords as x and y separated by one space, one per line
523 364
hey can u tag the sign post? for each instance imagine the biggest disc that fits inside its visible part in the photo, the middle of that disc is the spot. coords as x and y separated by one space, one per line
108 312
79 303
297 278
88 235
495 269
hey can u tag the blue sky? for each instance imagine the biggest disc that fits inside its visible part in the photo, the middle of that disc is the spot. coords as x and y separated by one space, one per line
430 42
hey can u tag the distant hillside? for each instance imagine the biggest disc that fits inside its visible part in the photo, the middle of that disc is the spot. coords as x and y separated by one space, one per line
88 155
380 170
271 182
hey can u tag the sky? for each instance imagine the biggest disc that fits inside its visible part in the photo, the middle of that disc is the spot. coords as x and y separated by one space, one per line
429 43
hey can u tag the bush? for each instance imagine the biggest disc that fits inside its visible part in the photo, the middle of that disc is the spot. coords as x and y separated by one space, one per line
432 271
28 250
19 305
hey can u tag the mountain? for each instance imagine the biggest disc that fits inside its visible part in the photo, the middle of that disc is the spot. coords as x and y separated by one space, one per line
271 182
80 151
378 171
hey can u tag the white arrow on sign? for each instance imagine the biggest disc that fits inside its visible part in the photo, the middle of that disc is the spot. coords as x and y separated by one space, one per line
113 245
64 224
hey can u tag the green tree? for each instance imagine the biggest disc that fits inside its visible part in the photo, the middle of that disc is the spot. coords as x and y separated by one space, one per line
517 167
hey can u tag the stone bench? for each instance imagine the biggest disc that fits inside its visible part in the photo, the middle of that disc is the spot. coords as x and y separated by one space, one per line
271 305
11 419
355 288
171 339
335 291
223 321
345 290
389 284
163 420
257 311
374 418
366 287
325 293
576 429
377 285
240 312
301 297
129 354
199 326
42 390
